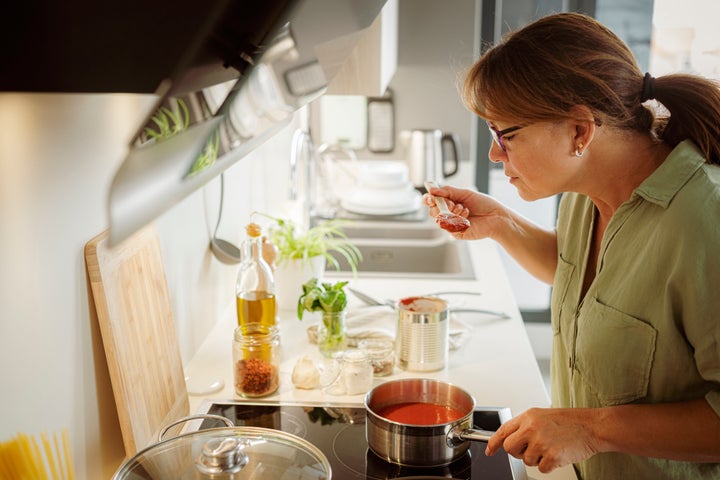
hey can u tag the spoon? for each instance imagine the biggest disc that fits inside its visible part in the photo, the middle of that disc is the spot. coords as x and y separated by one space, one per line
452 222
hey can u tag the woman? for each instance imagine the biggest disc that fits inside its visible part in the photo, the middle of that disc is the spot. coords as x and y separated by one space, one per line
634 259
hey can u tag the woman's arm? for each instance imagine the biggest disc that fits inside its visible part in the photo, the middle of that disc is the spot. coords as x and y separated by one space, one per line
533 247
551 438
687 431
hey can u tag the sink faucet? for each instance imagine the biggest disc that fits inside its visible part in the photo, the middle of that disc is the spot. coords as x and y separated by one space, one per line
302 148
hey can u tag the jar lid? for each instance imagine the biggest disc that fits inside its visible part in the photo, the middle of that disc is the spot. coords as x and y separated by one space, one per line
355 356
237 452
376 346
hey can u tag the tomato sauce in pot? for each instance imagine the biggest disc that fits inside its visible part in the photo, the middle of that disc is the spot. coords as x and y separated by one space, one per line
419 413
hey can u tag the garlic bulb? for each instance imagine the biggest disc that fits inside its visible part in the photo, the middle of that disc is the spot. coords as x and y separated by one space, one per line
305 374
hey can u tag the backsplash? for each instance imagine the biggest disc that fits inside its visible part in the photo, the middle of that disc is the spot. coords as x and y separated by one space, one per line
202 289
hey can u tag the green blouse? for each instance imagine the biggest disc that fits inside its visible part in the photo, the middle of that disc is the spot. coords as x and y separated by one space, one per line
648 328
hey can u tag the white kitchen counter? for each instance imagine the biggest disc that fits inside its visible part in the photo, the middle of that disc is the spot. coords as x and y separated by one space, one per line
495 364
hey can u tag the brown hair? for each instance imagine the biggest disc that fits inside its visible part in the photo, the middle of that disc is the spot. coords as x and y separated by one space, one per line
541 71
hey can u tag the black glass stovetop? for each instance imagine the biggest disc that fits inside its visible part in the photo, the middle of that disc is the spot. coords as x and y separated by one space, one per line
339 432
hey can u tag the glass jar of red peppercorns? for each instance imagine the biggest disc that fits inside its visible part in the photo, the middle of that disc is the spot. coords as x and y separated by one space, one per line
256 361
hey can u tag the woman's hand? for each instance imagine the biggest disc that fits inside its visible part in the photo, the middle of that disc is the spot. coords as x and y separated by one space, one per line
482 210
547 438
533 247
550 438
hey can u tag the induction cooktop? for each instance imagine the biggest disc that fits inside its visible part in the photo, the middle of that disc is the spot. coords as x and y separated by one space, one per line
339 432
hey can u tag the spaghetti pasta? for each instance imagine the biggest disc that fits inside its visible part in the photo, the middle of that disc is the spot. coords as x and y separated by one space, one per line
23 458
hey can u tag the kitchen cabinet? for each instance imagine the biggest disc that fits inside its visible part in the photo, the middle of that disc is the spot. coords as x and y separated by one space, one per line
371 65
495 363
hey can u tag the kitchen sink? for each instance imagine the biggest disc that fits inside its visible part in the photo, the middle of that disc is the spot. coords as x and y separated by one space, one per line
419 249
395 231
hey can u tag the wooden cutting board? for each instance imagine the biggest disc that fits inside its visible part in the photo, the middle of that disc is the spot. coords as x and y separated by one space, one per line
129 290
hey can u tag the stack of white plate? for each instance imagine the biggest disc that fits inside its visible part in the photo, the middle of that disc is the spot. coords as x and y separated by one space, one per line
383 188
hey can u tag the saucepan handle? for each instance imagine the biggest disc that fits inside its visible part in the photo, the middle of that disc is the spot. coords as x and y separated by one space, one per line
457 436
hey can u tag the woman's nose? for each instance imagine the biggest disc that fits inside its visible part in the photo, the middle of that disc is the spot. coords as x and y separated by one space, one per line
496 154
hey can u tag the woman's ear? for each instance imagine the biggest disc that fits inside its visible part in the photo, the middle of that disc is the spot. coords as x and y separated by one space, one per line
584 124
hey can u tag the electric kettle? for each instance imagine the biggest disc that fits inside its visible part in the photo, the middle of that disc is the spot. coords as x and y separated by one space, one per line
431 154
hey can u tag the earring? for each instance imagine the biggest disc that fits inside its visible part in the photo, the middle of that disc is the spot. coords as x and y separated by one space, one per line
578 150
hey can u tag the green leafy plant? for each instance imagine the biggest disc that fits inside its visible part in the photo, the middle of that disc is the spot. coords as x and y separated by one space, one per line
168 123
208 155
322 297
330 299
324 239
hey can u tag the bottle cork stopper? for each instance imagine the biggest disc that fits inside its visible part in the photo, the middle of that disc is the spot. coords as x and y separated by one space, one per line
253 230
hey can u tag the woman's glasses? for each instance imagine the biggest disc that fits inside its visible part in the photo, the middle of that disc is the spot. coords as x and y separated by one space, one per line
497 135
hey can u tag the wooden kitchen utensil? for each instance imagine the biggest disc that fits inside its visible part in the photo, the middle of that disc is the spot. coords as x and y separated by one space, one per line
129 290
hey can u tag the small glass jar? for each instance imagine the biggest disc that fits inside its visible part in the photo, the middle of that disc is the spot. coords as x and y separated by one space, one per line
357 372
381 353
256 362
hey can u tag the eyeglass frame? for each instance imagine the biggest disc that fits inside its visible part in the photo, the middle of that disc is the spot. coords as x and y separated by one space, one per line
497 135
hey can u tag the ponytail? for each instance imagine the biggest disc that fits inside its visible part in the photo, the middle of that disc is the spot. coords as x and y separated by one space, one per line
693 103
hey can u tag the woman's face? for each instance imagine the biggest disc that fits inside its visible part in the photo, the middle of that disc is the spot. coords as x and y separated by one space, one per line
539 158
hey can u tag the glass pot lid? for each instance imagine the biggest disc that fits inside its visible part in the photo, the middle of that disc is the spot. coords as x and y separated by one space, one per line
228 453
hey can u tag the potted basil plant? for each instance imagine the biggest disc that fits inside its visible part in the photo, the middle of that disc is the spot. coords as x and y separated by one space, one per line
331 301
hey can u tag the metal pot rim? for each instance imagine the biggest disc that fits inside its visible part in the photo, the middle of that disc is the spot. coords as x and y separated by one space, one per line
374 390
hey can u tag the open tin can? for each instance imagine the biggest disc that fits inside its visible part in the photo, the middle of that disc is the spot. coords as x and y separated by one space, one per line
422 333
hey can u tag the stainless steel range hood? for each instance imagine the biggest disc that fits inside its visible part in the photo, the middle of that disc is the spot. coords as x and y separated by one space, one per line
242 67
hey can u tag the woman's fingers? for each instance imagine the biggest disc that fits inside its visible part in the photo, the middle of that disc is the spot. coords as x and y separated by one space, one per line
497 441
546 438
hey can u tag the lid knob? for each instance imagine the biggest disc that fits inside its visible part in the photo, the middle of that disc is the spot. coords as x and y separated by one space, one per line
222 456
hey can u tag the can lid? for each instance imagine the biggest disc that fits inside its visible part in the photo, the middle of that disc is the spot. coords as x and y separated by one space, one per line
423 304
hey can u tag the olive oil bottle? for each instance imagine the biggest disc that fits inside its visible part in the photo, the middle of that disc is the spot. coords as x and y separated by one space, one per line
255 288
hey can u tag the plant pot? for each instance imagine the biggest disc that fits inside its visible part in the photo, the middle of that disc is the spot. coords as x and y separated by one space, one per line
290 276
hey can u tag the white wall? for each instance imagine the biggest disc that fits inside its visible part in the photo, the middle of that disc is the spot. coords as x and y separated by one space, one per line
58 154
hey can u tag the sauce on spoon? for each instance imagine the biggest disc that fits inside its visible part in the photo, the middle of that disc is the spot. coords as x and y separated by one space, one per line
452 222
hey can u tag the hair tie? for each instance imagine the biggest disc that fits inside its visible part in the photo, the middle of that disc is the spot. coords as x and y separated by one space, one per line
648 88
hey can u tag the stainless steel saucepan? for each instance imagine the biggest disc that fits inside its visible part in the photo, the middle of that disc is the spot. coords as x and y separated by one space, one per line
420 445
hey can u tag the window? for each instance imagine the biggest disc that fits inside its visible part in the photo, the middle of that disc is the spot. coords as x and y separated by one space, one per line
684 38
